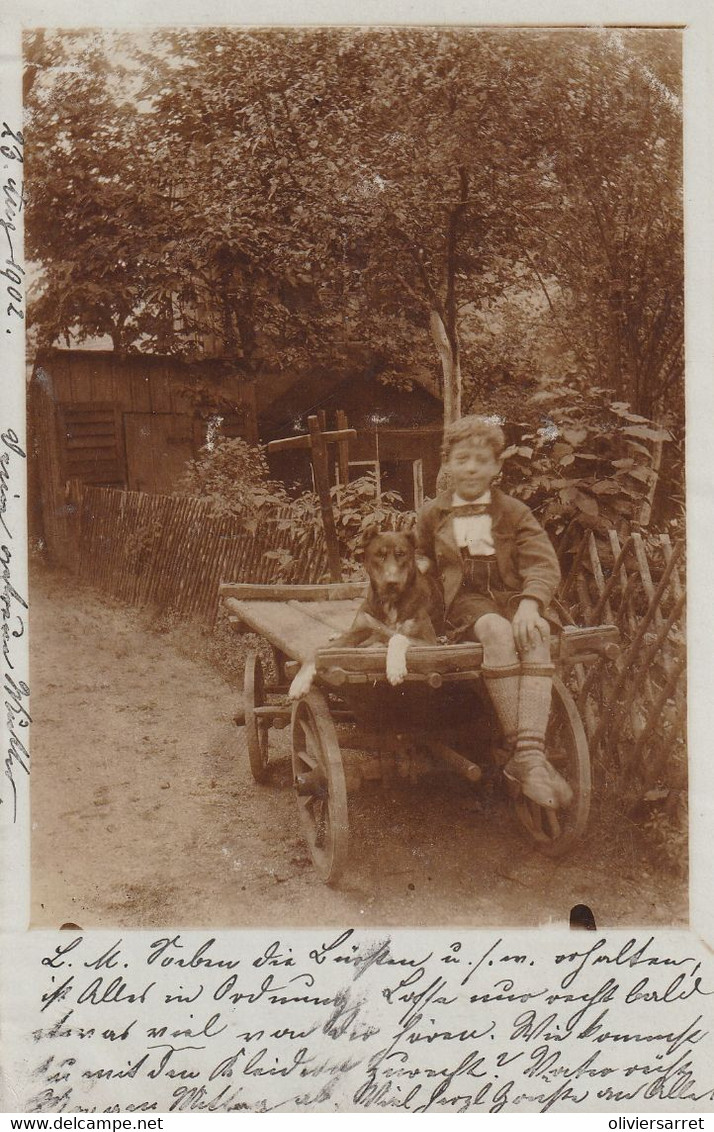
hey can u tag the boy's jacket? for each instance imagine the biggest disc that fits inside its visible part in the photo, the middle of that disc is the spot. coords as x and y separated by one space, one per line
526 559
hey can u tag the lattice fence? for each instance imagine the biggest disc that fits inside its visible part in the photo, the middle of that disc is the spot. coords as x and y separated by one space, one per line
634 709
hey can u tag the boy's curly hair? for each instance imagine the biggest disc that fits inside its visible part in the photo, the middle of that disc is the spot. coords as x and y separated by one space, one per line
484 430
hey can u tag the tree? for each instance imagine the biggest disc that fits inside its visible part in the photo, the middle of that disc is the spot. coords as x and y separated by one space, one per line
603 233
315 136
418 180
293 194
82 224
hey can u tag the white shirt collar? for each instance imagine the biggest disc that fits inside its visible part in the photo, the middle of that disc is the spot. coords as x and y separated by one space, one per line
457 501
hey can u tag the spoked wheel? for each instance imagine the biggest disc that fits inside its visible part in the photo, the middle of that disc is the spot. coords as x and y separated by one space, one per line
320 785
256 729
566 746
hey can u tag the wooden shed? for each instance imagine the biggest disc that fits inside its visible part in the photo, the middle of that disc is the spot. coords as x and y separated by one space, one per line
133 422
129 422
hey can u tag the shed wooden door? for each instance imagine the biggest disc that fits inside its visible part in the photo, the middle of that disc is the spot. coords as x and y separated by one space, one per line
157 448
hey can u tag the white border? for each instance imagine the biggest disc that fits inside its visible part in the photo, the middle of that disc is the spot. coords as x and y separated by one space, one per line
696 17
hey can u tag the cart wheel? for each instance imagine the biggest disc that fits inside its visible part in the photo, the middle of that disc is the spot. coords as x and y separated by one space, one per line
554 831
320 785
256 731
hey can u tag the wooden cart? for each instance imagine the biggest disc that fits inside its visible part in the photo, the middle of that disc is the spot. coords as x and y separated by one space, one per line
441 714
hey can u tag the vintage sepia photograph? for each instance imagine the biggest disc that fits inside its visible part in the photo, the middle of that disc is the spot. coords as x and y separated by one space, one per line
356 439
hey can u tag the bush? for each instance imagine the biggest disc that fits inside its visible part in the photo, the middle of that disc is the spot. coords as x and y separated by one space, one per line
588 466
234 478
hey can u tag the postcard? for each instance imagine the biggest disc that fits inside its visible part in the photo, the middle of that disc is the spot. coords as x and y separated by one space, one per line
354 477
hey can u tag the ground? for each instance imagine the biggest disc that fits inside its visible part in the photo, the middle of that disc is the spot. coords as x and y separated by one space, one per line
144 813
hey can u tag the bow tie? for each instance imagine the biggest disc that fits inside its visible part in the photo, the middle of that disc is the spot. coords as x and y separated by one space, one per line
466 510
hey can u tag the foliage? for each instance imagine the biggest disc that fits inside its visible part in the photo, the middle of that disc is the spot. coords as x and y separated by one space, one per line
234 477
588 465
281 198
667 839
358 510
603 242
92 218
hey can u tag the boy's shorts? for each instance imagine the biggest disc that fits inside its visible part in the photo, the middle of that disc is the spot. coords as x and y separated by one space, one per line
480 593
486 594
467 607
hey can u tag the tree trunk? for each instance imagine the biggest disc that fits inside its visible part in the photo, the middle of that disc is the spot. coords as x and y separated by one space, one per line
450 367
118 337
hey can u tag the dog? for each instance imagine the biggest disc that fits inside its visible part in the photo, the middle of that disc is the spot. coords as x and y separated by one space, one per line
400 608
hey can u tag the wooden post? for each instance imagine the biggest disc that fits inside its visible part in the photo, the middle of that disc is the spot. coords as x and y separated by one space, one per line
343 449
418 484
316 441
318 452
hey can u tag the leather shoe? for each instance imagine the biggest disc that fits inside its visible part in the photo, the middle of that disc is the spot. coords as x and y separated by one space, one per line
539 781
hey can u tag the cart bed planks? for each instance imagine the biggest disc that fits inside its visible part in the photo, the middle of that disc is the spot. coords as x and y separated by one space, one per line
296 631
301 628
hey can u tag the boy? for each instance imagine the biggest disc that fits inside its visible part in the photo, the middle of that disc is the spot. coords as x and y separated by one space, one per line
499 572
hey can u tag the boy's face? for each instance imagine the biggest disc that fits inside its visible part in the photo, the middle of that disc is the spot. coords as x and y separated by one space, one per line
472 466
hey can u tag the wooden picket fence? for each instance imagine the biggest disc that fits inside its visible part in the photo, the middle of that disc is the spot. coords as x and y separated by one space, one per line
634 709
171 552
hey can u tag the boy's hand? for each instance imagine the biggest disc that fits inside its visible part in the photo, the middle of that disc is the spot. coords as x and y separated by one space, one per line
424 564
529 627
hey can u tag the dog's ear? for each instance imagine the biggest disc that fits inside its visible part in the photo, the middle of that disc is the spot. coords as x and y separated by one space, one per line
410 534
368 534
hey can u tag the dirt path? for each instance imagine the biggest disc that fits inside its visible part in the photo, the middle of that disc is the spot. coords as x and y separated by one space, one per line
144 813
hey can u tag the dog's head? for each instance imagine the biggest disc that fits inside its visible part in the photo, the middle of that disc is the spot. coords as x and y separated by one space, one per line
390 562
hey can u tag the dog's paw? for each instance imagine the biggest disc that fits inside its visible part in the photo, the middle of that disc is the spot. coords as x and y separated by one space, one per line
302 682
397 658
395 675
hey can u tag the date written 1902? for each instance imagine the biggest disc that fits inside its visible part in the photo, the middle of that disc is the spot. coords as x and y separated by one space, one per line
12 272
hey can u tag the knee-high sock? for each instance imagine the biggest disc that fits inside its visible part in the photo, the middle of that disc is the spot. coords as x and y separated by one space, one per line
534 698
503 687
